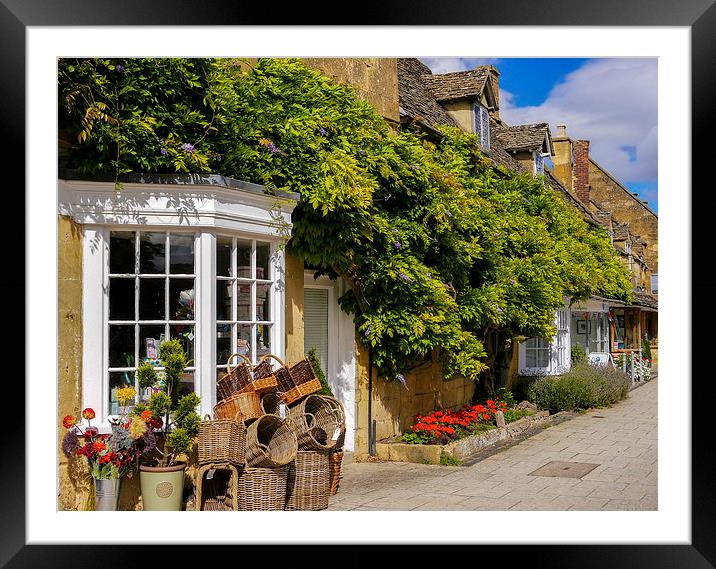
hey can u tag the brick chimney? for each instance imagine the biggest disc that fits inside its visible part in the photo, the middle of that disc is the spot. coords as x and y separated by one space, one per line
580 180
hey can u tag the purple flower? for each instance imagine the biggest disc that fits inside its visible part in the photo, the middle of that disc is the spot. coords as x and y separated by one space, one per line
70 443
150 441
403 276
416 168
186 147
323 132
499 310
272 149
366 333
397 245
512 281
218 157
119 68
163 151
448 213
401 378
362 152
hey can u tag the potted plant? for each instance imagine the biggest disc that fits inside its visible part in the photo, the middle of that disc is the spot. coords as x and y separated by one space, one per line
161 472
109 456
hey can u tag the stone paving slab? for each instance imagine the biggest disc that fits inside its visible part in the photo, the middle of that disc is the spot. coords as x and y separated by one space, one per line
622 440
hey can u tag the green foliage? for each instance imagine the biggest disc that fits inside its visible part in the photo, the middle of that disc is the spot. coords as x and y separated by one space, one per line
325 388
504 394
582 387
439 247
512 414
415 438
578 354
159 403
645 348
146 376
447 460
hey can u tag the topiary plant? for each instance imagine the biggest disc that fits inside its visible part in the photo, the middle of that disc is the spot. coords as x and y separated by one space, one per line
325 388
165 408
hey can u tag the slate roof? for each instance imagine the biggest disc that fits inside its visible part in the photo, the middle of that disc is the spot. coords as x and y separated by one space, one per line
644 299
458 85
621 232
524 136
416 102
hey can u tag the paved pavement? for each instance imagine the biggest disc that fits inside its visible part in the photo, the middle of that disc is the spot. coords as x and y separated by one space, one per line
621 441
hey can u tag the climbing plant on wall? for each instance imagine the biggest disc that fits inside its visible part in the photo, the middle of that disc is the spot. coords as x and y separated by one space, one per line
440 247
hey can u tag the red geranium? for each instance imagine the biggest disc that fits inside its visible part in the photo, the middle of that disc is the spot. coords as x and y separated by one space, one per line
68 422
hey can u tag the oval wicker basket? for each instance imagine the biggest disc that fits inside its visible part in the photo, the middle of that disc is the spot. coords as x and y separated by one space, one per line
222 440
308 481
236 379
247 404
270 403
315 411
337 408
270 442
305 381
262 488
335 459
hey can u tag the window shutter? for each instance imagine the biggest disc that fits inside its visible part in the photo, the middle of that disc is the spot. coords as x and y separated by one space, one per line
315 321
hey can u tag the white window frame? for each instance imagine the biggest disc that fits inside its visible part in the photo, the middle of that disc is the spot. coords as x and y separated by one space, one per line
482 118
654 280
559 349
205 210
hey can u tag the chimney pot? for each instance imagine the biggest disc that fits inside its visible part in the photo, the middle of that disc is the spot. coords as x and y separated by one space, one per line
561 130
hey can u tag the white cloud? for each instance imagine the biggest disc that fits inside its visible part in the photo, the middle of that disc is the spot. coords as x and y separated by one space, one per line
451 64
610 102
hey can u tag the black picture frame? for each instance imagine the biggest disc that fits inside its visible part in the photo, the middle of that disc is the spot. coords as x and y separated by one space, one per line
581 326
699 15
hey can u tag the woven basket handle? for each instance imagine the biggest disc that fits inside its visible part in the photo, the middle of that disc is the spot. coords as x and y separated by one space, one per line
239 418
229 369
279 360
207 417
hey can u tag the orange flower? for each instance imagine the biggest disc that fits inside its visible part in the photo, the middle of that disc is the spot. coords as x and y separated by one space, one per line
68 421
146 415
99 446
88 413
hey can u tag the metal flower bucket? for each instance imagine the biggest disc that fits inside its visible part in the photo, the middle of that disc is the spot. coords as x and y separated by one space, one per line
106 494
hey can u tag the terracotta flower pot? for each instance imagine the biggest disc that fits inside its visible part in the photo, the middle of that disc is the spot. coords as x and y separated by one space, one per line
162 487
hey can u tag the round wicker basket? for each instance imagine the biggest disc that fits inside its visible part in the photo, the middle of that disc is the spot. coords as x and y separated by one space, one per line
262 488
270 442
222 440
315 411
247 404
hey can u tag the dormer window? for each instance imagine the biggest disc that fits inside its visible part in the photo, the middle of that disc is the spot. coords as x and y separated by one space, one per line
482 126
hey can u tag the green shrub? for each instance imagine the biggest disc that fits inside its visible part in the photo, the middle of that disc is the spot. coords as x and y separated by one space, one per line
578 354
645 348
447 460
582 387
325 388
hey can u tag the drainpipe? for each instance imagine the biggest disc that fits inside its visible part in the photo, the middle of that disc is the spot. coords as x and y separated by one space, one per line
371 427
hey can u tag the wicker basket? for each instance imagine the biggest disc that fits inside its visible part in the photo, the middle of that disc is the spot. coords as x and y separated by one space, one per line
247 404
308 484
270 442
270 403
222 440
220 493
335 459
315 411
304 379
236 380
262 488
339 411
282 375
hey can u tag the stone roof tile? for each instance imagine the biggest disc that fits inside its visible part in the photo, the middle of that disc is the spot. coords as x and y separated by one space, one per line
524 136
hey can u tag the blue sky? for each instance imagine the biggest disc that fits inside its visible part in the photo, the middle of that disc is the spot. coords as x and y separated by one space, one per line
610 102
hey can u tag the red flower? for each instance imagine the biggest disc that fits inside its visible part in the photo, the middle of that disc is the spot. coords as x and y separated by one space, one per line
98 446
485 416
88 413
146 415
68 422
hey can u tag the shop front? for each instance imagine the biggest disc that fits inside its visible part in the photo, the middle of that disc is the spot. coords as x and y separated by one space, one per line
590 325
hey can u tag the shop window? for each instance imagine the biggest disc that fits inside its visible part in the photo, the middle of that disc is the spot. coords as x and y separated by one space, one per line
150 291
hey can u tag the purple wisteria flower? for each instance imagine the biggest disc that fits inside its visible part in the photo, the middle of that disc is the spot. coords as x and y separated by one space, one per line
163 151
397 244
186 147
448 213
499 310
366 333
272 149
512 281
362 152
323 132
401 378
119 68
403 276
218 157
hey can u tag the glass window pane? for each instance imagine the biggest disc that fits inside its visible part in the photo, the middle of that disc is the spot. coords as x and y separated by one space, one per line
542 358
181 253
263 340
263 252
243 308
181 299
121 252
263 302
223 256
185 335
151 253
121 299
151 299
223 299
243 259
118 379
530 358
223 344
121 345
186 383
243 341
150 337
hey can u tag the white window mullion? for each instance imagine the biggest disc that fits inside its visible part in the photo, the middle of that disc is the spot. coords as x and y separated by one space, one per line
205 317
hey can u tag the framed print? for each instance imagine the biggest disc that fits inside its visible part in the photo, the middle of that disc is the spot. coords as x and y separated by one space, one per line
232 268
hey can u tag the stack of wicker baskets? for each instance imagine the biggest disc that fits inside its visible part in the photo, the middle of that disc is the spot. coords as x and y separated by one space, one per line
281 444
